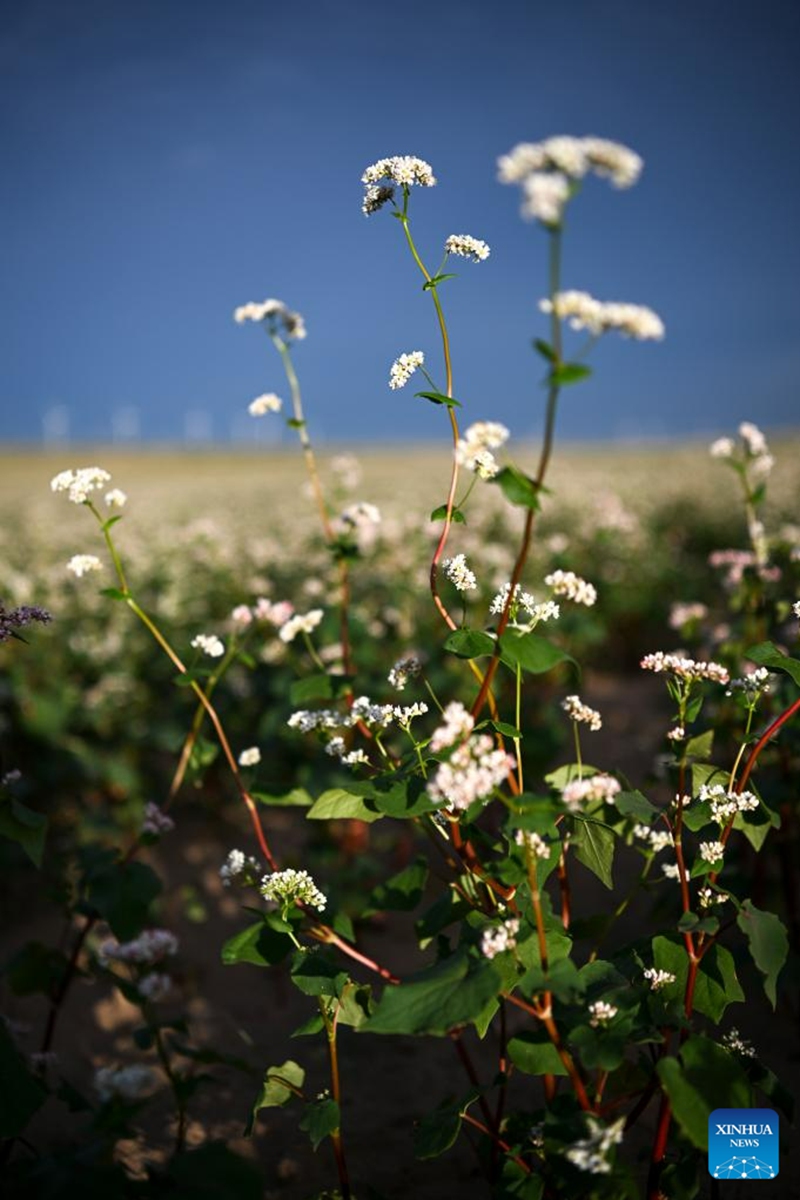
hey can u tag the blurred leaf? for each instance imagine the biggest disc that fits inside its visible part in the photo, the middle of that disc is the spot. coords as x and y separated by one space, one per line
469 643
545 349
700 747
438 1131
27 828
769 945
395 796
767 655
35 968
430 284
634 804
402 892
338 804
313 687
296 798
122 894
569 373
21 1094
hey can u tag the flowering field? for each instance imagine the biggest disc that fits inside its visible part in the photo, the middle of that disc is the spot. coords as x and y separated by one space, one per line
433 809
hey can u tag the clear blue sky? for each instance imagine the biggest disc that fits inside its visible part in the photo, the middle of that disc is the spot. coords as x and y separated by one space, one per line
167 160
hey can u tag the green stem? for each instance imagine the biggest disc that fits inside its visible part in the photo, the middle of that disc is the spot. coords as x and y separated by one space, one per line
336 1094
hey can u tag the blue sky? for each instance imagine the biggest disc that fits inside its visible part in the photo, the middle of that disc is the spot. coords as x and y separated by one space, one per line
167 160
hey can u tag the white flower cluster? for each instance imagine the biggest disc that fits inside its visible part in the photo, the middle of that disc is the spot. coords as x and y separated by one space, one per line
599 316
362 513
116 498
579 712
402 169
733 1040
475 446
574 157
404 367
676 734
754 454
292 887
459 574
499 938
403 670
375 197
123 1083
250 757
796 609
547 611
467 247
155 986
81 564
671 870
658 839
658 979
262 405
681 613
209 643
155 821
752 685
570 585
300 623
279 315
532 843
547 170
241 867
596 787
406 713
457 724
725 804
708 896
149 947
591 1153
712 852
276 612
600 1013
684 668
80 483
472 773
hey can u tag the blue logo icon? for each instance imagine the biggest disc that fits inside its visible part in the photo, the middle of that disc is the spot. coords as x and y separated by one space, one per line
743 1143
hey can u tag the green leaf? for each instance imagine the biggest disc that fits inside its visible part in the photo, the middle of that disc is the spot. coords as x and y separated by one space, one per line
700 747
456 515
355 1005
765 654
559 778
704 1077
296 798
395 796
280 1084
444 911
439 398
113 593
295 423
438 1131
35 968
533 653
517 487
261 944
315 973
25 827
534 1053
545 349
593 845
716 986
320 1120
430 284
469 643
122 894
402 892
110 523
569 373
206 1174
313 687
22 1094
453 992
506 730
769 945
339 804
634 804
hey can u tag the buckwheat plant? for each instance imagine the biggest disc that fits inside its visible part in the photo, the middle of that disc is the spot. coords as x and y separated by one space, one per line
588 1036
